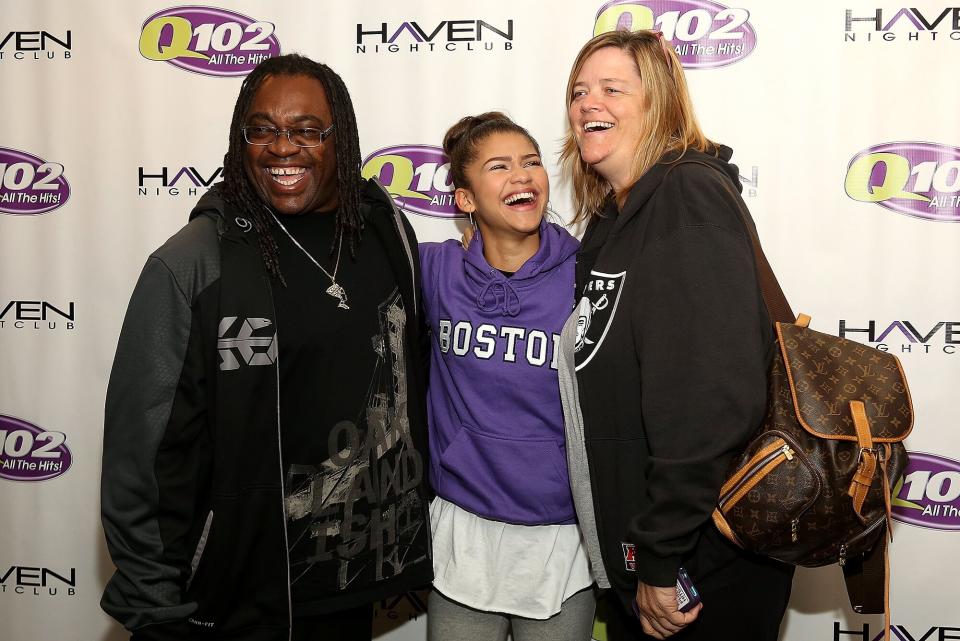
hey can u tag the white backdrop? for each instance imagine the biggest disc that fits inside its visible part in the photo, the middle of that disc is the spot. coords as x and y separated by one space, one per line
843 121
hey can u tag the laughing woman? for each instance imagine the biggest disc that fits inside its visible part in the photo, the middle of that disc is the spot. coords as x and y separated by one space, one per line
507 549
671 345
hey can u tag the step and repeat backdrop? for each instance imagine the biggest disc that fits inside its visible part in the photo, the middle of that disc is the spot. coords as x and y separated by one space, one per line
842 117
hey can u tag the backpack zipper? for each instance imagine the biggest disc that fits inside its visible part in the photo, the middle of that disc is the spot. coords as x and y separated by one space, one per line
783 450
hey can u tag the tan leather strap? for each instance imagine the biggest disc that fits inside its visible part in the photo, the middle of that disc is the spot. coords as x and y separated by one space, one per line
863 477
886 583
721 522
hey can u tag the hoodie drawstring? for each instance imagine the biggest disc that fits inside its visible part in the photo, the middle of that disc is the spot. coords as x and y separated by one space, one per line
504 297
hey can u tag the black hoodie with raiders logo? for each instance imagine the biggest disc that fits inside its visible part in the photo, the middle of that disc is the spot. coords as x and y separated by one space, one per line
671 343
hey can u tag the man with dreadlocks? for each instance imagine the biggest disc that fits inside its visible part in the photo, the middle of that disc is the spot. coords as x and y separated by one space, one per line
264 441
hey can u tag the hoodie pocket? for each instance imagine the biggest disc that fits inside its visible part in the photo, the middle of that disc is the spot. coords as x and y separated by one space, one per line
510 480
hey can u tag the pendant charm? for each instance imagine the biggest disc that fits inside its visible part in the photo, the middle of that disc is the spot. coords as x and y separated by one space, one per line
337 291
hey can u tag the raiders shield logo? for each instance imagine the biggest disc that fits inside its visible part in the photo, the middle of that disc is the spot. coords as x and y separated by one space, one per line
595 313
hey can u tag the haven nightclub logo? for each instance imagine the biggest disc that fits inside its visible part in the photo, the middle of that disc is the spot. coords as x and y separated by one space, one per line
704 34
928 494
31 453
22 580
897 633
175 181
35 45
440 36
37 315
918 179
208 41
906 23
904 337
29 184
417 176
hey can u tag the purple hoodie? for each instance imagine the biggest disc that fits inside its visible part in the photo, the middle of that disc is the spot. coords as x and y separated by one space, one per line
496 425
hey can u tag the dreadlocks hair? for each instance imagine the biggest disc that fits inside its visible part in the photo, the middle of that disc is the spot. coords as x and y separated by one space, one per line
238 189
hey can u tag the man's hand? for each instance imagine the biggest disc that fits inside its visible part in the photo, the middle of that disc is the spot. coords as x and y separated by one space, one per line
659 616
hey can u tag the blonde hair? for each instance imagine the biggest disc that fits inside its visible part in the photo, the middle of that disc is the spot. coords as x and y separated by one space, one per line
668 120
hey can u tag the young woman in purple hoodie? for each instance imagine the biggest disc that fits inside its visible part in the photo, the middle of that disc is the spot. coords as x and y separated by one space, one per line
507 549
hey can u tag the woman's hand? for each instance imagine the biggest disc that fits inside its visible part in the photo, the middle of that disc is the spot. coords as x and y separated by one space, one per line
659 616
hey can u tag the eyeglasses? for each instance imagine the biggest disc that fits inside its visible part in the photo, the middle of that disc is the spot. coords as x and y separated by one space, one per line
299 136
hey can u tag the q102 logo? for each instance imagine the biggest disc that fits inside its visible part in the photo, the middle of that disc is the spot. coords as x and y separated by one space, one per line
928 494
31 453
919 179
417 176
30 185
704 34
209 41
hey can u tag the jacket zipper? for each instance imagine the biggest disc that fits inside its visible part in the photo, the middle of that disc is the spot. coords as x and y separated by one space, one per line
283 504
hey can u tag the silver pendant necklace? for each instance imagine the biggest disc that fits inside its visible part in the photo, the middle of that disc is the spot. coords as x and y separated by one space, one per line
336 290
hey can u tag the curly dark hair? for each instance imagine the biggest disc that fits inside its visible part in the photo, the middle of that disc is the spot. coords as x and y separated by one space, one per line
237 188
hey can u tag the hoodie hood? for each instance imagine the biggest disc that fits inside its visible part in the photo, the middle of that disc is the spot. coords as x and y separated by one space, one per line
211 202
497 292
644 188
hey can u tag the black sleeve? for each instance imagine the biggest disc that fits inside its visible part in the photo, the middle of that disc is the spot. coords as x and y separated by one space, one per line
155 470
146 589
703 339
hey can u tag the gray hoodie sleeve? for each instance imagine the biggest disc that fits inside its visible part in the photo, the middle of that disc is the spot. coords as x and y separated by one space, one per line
147 371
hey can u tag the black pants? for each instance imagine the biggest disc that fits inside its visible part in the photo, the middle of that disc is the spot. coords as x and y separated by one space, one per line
743 600
355 624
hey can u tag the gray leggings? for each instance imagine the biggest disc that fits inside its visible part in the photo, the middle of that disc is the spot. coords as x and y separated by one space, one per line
450 621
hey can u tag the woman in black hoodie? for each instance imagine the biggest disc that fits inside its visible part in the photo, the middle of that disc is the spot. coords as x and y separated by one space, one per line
670 344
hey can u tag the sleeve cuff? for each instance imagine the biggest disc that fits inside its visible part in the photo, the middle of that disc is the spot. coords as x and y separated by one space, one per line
658 571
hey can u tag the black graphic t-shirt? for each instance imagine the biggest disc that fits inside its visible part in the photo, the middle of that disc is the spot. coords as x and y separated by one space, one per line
350 488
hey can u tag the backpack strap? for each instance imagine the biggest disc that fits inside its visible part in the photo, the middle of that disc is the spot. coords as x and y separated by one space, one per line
868 583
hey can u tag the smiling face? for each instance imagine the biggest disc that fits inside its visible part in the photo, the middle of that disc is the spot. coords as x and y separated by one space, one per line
290 179
606 114
508 187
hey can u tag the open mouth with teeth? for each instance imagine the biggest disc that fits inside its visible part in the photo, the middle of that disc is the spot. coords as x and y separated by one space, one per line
520 199
597 125
287 176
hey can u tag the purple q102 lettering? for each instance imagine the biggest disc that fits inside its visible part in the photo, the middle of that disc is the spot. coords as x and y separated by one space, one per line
928 494
704 34
918 179
417 176
31 453
207 40
30 185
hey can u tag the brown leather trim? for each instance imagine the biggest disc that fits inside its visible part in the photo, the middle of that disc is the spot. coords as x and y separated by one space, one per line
724 527
835 437
863 477
802 320
860 423
749 485
862 480
769 449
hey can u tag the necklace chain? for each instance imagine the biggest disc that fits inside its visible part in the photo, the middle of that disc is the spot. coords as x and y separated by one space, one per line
336 290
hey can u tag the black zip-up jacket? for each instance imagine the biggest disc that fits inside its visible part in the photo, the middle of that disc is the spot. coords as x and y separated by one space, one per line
192 486
671 366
